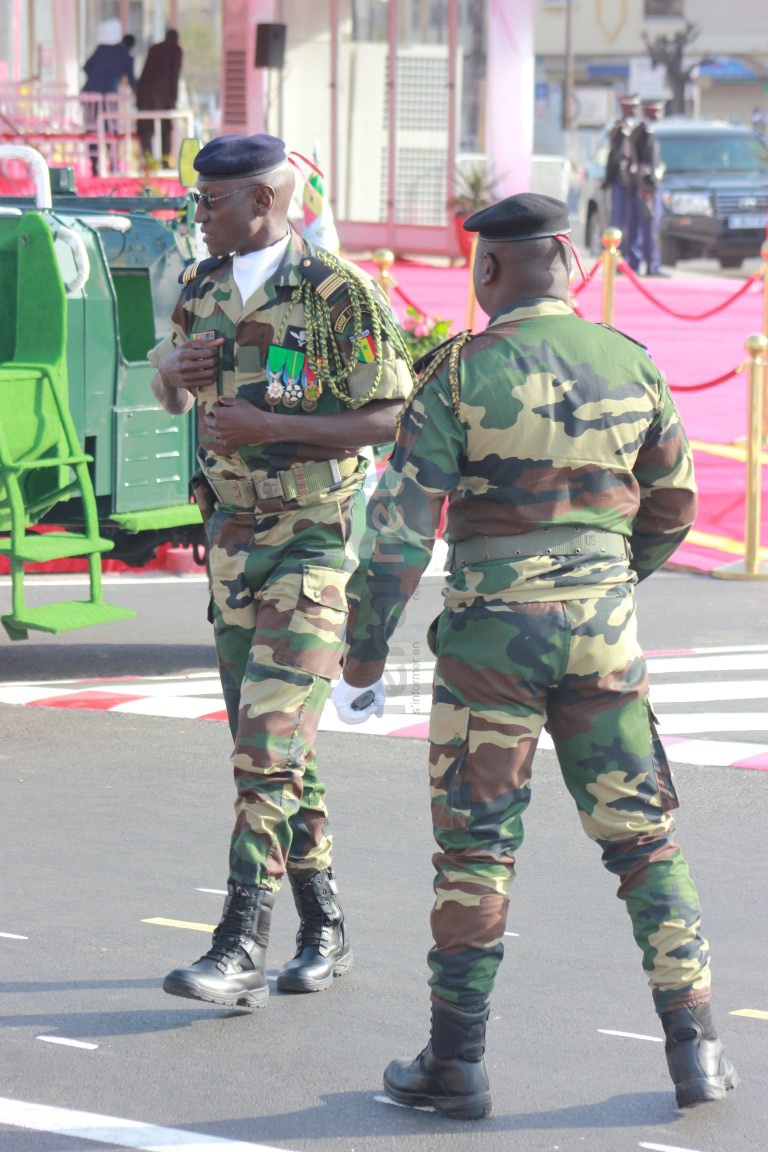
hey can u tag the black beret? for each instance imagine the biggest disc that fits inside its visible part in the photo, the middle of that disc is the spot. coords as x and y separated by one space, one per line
228 157
527 216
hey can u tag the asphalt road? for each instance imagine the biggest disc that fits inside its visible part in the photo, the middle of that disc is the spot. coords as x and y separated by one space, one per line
113 841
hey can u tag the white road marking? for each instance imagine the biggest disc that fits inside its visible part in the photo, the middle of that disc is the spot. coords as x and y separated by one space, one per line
631 1035
666 1148
753 1013
213 891
199 687
679 723
68 1043
23 694
12 936
713 753
738 661
163 922
697 691
176 707
115 1130
690 738
382 1099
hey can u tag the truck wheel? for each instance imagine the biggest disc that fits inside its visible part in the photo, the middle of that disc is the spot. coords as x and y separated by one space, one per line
670 251
730 261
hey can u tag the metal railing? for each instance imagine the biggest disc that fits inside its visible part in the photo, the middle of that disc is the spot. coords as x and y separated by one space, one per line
77 129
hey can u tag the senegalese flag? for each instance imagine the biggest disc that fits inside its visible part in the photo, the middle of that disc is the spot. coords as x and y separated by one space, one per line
367 349
319 227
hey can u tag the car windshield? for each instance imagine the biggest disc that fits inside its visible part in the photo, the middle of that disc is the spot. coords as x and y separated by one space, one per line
725 151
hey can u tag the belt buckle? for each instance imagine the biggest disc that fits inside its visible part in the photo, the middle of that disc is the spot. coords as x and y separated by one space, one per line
300 479
268 489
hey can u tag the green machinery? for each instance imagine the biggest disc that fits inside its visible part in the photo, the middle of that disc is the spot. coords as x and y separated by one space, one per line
89 462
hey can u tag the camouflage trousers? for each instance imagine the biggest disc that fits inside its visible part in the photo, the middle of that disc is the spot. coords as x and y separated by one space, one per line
503 671
278 586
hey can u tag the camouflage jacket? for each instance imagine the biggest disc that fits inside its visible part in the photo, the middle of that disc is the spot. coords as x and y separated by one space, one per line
211 304
558 421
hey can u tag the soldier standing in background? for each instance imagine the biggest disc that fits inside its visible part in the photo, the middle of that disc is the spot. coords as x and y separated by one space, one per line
105 69
645 206
296 363
569 479
158 88
618 180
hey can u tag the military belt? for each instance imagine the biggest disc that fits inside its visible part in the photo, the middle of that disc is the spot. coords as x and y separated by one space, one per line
560 540
300 480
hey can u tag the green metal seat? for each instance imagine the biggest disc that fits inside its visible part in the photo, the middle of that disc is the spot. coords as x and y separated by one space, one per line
41 459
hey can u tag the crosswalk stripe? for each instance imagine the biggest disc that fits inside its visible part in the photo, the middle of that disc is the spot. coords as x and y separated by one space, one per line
691 737
116 1131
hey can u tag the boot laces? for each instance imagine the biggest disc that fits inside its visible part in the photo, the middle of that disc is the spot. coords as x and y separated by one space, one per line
236 928
314 931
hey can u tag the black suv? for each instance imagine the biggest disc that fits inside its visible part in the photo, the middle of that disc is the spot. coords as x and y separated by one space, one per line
714 192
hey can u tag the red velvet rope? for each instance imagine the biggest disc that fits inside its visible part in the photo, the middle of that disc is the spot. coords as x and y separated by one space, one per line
624 267
635 279
408 302
709 383
587 279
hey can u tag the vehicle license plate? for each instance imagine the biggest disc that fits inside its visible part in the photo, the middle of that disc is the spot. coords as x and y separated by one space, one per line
747 220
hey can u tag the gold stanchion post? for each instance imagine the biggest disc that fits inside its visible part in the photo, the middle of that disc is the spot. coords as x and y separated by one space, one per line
751 567
611 242
764 258
384 259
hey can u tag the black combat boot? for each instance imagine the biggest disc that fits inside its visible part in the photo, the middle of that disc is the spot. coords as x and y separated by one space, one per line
322 948
233 970
697 1064
449 1074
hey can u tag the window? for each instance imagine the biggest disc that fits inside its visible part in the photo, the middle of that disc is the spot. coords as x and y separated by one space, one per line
663 9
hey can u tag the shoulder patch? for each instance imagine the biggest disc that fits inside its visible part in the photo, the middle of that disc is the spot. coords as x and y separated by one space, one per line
610 328
201 268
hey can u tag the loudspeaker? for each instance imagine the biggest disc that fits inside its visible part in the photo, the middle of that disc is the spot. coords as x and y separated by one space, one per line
270 45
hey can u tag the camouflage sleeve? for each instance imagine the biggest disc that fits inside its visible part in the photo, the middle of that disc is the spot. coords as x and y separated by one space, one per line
664 471
177 335
402 520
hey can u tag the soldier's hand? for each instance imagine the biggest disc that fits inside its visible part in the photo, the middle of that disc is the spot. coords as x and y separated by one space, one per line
355 705
231 422
192 366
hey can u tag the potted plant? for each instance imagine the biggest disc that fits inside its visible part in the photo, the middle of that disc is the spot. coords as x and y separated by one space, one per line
474 188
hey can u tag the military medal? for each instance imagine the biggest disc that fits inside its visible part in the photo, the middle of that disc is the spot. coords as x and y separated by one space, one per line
276 358
294 362
312 390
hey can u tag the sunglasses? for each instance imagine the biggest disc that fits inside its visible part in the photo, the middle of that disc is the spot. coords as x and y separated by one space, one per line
209 201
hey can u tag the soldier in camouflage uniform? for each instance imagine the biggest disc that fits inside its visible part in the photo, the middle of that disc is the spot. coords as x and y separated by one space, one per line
569 478
295 364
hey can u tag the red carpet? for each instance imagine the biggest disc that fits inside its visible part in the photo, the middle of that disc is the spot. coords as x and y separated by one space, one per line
690 353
